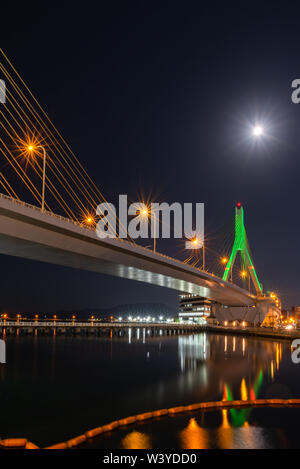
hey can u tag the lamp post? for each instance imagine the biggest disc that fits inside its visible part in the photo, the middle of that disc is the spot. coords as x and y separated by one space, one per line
145 212
244 275
31 148
196 243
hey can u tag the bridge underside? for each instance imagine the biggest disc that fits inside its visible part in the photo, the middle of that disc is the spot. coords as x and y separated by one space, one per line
26 232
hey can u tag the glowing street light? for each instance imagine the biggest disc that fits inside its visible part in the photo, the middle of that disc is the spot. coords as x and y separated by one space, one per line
145 212
196 242
31 149
224 260
244 275
89 220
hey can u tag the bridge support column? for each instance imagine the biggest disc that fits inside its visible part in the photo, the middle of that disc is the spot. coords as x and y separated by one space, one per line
263 311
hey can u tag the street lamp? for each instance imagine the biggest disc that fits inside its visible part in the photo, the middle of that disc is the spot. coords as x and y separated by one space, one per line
89 220
196 242
145 212
31 149
244 275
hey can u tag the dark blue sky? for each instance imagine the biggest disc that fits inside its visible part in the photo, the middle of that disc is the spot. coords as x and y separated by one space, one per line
160 96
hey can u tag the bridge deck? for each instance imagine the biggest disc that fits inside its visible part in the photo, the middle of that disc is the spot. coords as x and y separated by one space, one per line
27 232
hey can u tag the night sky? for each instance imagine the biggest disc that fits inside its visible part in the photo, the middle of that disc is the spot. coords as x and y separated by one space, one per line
160 97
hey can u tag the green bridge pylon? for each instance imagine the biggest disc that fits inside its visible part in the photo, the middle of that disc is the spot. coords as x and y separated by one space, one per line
241 244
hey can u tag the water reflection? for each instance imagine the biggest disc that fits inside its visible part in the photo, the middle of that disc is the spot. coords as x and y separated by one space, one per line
113 376
194 437
226 436
243 363
221 429
136 440
246 365
193 351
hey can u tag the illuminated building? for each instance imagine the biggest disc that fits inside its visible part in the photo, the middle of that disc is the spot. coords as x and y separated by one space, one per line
193 308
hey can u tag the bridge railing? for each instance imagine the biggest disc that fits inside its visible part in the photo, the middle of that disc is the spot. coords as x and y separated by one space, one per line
7 323
90 228
47 212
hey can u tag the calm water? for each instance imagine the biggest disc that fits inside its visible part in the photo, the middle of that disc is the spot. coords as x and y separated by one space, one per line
227 429
53 388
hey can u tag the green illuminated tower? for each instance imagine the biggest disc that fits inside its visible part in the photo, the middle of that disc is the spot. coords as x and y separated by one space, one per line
241 244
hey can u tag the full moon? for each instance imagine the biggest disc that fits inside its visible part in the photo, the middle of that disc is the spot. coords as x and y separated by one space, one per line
257 130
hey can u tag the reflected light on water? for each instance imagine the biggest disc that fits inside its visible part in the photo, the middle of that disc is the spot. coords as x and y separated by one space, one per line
272 370
192 350
277 356
241 438
244 394
136 440
194 437
224 432
233 433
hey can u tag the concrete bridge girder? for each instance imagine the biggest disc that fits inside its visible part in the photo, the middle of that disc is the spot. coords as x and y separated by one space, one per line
27 232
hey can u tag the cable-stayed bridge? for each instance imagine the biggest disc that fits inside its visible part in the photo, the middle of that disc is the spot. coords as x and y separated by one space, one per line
39 167
27 231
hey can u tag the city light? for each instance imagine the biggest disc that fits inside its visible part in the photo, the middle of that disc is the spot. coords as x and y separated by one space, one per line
144 212
30 149
224 260
89 219
243 274
196 242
